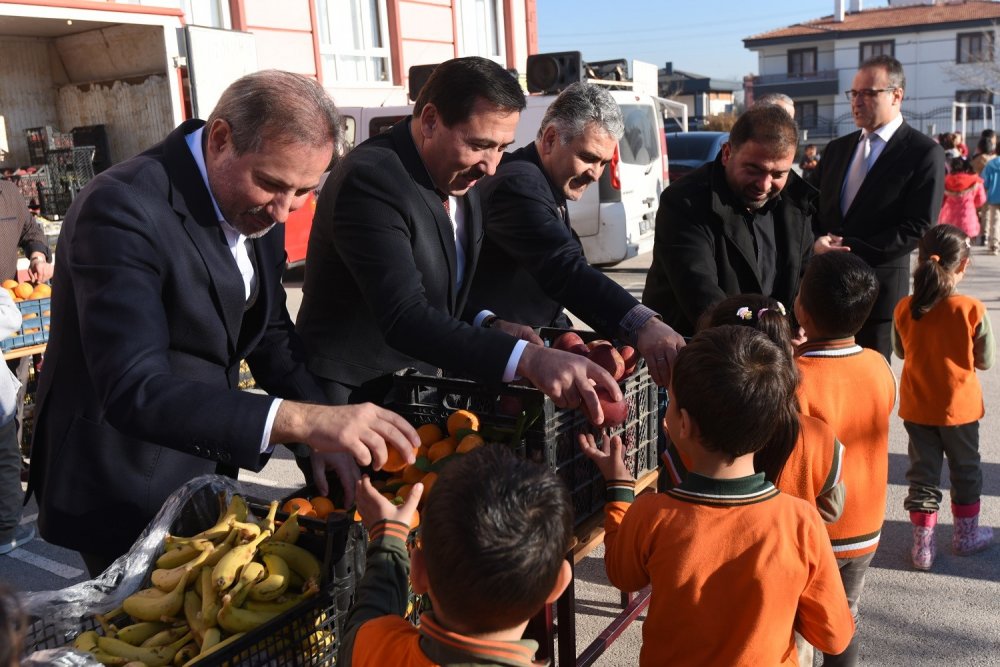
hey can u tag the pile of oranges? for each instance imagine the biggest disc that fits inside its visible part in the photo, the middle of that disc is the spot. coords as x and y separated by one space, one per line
26 291
460 436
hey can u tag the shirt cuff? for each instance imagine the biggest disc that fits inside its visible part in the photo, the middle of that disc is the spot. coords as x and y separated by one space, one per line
483 314
265 444
633 321
510 373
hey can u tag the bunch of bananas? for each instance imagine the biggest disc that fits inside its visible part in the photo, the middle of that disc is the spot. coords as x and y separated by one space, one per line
210 589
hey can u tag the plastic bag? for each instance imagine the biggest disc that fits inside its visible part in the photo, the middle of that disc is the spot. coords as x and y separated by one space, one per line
190 509
60 657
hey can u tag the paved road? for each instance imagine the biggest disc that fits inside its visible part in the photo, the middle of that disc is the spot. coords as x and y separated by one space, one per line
948 616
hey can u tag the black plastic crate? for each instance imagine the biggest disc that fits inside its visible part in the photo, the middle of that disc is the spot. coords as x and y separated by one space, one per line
41 140
290 638
97 137
70 168
34 325
54 202
541 432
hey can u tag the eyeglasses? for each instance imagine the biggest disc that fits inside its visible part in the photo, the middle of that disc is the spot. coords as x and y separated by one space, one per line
866 93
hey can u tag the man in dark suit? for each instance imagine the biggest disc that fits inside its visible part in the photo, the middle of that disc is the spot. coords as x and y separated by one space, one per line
881 188
532 263
737 225
395 242
167 278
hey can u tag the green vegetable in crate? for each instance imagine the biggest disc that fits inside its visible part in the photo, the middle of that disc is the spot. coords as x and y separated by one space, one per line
152 604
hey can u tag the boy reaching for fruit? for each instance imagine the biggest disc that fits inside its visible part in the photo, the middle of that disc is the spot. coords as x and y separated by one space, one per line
491 553
734 564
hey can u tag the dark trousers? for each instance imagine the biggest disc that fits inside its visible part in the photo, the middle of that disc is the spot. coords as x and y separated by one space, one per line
876 335
927 448
852 573
11 496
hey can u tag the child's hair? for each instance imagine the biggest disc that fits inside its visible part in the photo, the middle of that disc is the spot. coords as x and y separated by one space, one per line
739 388
495 532
768 316
940 251
959 165
12 628
838 291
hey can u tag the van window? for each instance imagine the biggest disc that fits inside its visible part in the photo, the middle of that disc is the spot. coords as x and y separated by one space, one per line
350 132
382 124
639 145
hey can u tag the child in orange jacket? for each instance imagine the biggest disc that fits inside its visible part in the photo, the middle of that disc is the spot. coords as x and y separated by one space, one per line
943 337
734 564
854 391
492 552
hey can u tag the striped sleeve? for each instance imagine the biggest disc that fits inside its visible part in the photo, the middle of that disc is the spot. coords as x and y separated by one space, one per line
984 344
831 498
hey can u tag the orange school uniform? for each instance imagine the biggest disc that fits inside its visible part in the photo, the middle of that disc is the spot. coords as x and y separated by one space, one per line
735 566
853 390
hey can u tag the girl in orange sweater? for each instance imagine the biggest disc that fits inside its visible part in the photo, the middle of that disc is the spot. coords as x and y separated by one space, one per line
943 337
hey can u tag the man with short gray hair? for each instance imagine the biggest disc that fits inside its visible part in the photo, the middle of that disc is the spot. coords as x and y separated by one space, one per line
532 263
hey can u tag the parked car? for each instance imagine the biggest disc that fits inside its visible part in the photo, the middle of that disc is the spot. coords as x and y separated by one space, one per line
690 150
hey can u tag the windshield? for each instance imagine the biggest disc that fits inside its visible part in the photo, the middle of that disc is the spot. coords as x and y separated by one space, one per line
692 147
639 144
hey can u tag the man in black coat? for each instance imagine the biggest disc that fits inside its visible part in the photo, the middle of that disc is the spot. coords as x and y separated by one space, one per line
881 188
532 263
396 240
735 225
166 279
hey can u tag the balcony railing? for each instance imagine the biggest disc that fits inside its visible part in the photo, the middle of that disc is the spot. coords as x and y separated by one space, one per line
807 77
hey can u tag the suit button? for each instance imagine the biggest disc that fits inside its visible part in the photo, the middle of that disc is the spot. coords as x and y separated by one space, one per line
225 457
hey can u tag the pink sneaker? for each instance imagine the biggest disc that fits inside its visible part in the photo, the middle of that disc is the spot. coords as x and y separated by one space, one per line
969 537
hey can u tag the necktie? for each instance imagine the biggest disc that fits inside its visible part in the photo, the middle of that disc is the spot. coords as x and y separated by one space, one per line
856 174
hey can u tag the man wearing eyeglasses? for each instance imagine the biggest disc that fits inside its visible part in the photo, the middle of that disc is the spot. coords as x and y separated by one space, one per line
880 189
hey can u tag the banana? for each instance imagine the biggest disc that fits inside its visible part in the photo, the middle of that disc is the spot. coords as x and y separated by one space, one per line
192 614
224 643
106 658
234 619
295 582
276 582
158 656
209 601
280 605
236 511
318 643
187 652
152 604
229 566
223 548
248 531
166 580
135 663
168 636
86 641
212 637
137 633
180 553
289 530
301 561
272 511
251 574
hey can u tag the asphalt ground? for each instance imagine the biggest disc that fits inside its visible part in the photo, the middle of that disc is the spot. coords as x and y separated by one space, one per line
948 616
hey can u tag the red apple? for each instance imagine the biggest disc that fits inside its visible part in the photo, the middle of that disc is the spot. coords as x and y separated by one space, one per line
607 357
629 358
615 412
567 341
580 349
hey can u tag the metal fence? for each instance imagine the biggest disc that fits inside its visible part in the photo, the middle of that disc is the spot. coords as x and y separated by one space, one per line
969 119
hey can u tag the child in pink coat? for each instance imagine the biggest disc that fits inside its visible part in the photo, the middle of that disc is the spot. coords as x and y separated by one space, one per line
963 195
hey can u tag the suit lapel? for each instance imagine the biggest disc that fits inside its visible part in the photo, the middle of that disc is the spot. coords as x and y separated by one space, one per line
414 165
733 227
191 200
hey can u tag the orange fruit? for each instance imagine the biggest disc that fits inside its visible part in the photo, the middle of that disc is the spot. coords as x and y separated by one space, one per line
24 290
460 419
395 462
429 434
300 504
9 284
404 491
43 289
470 442
412 475
415 521
389 495
441 449
428 481
38 294
323 506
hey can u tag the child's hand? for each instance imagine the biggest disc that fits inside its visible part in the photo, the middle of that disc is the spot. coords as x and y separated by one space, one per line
375 507
609 457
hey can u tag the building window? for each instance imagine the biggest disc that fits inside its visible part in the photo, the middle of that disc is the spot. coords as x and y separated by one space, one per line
801 62
871 49
974 47
352 40
805 114
480 29
974 98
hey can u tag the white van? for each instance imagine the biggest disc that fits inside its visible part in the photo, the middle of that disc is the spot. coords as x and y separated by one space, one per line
615 217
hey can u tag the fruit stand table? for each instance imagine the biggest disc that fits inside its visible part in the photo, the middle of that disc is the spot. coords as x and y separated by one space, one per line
587 536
